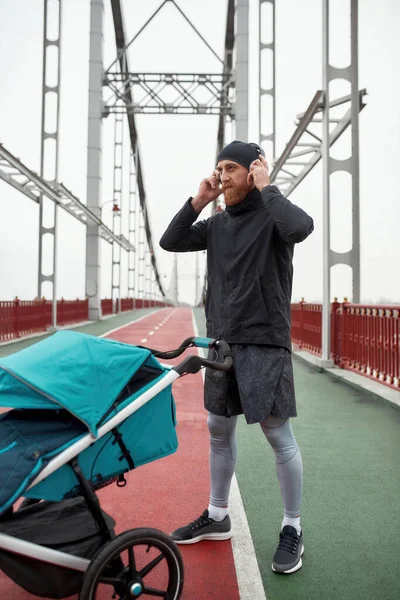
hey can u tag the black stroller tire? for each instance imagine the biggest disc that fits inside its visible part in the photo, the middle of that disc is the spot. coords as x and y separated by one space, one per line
112 550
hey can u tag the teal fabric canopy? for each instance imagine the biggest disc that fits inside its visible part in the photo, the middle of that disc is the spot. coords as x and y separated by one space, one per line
74 371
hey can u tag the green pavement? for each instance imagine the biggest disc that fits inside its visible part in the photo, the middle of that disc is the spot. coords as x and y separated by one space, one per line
350 445
92 328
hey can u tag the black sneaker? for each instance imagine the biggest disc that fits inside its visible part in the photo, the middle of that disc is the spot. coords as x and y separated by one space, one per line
290 549
203 528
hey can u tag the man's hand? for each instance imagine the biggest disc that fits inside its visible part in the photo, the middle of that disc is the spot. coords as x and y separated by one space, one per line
209 191
258 173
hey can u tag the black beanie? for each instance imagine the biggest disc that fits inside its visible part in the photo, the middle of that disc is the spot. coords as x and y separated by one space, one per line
241 153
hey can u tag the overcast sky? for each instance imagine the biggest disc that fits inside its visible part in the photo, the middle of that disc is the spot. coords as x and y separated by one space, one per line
178 151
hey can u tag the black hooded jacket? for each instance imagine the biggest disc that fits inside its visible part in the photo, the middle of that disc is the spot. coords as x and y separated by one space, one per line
249 264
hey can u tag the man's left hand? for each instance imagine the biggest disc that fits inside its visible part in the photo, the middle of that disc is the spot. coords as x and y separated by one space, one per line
258 173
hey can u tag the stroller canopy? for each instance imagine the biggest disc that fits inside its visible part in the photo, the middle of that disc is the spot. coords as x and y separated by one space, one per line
61 389
77 372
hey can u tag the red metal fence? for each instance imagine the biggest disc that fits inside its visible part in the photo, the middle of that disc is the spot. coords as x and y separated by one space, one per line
19 318
107 307
22 317
364 338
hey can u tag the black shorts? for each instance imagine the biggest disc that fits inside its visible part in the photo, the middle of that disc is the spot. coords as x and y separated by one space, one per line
260 383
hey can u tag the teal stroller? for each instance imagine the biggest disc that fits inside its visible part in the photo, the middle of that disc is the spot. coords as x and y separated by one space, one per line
83 411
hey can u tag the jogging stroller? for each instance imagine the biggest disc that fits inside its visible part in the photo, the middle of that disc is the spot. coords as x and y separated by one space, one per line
85 411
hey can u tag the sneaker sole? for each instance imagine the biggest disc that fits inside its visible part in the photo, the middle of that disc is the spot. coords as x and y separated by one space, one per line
216 537
293 569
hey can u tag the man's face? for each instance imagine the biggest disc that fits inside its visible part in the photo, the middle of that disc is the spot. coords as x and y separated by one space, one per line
234 181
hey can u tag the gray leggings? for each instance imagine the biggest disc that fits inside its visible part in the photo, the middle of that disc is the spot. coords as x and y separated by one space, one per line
223 452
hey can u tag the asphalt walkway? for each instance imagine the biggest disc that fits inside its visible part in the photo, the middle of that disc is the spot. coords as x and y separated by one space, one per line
350 445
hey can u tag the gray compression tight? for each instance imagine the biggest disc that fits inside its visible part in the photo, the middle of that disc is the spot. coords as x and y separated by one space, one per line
223 452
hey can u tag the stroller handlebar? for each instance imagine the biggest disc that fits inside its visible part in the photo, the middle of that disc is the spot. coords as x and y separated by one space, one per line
193 364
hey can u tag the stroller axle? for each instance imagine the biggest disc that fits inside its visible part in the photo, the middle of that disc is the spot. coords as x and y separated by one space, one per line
136 590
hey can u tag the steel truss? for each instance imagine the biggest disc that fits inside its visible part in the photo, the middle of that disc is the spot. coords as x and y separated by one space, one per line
199 93
120 40
315 145
306 144
16 174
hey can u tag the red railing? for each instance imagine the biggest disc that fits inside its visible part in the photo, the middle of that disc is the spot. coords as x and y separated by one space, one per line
364 338
21 317
307 326
72 311
107 307
128 304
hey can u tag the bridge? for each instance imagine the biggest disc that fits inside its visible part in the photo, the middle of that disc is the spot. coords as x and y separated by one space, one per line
126 125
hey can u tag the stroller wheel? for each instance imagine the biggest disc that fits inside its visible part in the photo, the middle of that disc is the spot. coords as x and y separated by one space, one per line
140 563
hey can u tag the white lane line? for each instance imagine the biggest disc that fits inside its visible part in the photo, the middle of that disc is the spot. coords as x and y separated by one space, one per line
130 323
247 571
151 333
143 341
156 328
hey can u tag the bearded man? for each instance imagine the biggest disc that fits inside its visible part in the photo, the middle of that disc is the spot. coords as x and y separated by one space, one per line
250 249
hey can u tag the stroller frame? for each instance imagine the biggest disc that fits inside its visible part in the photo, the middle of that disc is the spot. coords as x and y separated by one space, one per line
56 557
192 364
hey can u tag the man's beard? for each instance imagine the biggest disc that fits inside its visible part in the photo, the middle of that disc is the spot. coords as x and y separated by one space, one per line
235 194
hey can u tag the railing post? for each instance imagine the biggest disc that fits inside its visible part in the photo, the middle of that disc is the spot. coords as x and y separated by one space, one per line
335 331
344 337
47 308
301 304
61 308
15 328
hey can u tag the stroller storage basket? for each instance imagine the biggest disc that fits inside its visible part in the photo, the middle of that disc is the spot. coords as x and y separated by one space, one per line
67 526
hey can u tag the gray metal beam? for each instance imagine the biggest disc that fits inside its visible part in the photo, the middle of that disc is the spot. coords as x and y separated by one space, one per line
228 65
120 40
133 209
312 150
49 154
355 154
316 104
94 157
122 49
351 165
271 136
154 93
326 230
33 186
227 71
242 69
118 182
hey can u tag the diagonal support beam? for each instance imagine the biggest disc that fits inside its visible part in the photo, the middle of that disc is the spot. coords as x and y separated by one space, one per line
35 186
123 60
122 50
288 184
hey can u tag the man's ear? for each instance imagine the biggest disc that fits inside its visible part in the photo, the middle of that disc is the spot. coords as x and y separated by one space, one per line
250 180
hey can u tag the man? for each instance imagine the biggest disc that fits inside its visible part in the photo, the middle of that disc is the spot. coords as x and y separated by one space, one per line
249 268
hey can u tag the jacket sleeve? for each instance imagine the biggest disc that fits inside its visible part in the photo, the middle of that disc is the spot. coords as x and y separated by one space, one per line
293 223
181 235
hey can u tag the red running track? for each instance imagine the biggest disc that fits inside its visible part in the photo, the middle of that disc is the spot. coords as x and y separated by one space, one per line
174 490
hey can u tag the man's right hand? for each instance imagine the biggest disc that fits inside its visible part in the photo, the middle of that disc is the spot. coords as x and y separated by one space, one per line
209 191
